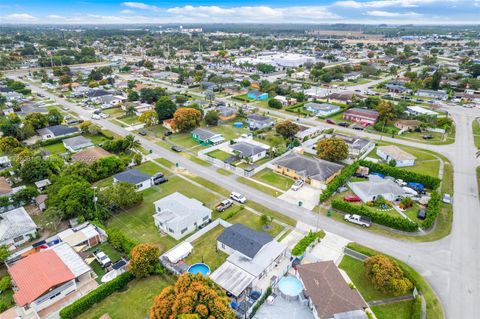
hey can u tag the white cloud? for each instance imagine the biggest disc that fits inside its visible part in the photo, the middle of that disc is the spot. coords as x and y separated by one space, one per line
126 11
387 14
54 16
20 17
387 3
140 5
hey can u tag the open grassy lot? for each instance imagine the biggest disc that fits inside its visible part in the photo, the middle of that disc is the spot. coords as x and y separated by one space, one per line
253 221
270 177
183 140
219 154
205 250
355 270
228 131
137 222
56 148
134 302
476 132
397 310
130 119
265 189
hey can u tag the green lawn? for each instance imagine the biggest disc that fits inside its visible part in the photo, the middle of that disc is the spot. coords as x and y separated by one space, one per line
134 302
228 131
130 120
224 172
397 310
355 270
183 140
137 223
268 176
253 221
96 139
205 250
476 132
56 148
265 189
219 154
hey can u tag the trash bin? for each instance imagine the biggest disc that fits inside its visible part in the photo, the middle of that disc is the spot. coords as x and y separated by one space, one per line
300 203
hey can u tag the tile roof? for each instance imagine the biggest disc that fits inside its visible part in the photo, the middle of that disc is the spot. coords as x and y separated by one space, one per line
244 239
91 155
36 274
328 290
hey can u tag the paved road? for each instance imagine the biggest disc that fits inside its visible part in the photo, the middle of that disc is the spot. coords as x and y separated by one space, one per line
451 265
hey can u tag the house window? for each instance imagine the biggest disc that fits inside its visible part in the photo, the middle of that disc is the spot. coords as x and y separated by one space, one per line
183 230
17 239
205 218
171 230
223 245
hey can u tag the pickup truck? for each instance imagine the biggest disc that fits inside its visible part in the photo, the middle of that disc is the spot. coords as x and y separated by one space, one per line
223 205
102 258
359 220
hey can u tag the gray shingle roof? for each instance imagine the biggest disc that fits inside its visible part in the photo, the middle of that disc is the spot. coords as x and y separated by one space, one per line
131 176
259 118
244 239
247 149
58 130
77 142
310 167
203 134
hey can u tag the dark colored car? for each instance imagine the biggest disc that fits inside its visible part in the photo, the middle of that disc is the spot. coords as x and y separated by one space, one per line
168 133
343 124
176 148
421 214
142 133
160 180
427 137
330 121
358 128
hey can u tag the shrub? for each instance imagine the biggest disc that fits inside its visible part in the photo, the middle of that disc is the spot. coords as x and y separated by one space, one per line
306 241
399 223
428 181
260 301
119 241
338 181
433 208
386 275
86 302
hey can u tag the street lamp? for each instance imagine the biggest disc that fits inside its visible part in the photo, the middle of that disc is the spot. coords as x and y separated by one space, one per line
95 198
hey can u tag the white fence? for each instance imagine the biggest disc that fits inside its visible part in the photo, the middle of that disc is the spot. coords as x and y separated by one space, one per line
207 228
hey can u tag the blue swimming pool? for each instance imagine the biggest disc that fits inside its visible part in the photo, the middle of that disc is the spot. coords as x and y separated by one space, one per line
290 286
199 268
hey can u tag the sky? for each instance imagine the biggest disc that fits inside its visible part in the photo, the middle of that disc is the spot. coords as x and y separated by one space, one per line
236 11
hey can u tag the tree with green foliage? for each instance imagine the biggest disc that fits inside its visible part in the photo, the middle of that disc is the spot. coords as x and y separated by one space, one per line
54 117
38 120
152 95
51 219
149 118
36 168
133 96
4 253
287 129
212 117
73 195
165 108
275 104
8 144
332 149
120 196
143 260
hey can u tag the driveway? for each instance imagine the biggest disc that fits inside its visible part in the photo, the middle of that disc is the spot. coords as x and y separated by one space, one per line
329 248
307 194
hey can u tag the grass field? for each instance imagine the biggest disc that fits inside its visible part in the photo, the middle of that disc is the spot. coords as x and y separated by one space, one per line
253 221
397 310
219 154
134 302
476 132
205 250
268 176
265 189
56 148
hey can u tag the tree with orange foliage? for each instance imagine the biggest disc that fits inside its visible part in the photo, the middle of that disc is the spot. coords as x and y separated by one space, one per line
192 296
386 275
144 260
186 118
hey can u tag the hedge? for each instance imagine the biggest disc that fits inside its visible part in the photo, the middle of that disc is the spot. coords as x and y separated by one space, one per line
306 241
399 223
86 302
428 181
120 241
433 208
338 181
260 302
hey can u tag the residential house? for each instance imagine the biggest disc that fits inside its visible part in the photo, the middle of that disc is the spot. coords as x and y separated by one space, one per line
397 88
57 131
177 215
5 162
407 125
42 184
438 95
140 107
40 202
309 133
329 295
83 236
357 146
361 116
90 155
206 137
252 255
321 109
77 143
107 101
376 186
249 151
226 113
344 97
94 93
257 95
5 187
392 152
258 122
312 170
141 180
416 110
16 227
352 76
47 278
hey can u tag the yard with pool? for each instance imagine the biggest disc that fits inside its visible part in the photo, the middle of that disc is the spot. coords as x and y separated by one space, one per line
205 250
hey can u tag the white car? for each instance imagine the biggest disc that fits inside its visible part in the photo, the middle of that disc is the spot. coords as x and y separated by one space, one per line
102 258
297 185
359 220
238 197
104 116
400 182
447 199
96 117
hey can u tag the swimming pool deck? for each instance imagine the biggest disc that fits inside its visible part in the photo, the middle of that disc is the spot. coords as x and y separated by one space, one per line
282 309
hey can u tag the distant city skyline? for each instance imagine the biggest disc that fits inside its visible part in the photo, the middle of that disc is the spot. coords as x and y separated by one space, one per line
234 11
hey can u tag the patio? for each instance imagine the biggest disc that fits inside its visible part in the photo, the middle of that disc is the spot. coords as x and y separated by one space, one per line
282 309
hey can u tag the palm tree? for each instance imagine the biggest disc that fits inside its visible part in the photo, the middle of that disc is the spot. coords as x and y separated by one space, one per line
131 142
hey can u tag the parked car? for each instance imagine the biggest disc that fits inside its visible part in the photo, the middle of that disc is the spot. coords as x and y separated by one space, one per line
358 128
330 121
65 108
352 198
102 259
421 214
343 124
176 148
168 133
427 137
297 185
159 178
447 199
359 220
96 117
97 111
104 116
223 205
142 133
238 197
400 182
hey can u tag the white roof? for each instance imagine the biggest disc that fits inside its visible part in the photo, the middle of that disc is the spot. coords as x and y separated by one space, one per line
43 183
396 153
178 211
179 252
232 278
421 110
71 259
376 186
14 223
4 159
74 238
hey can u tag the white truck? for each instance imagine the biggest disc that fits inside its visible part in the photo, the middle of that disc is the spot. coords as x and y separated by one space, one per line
359 220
